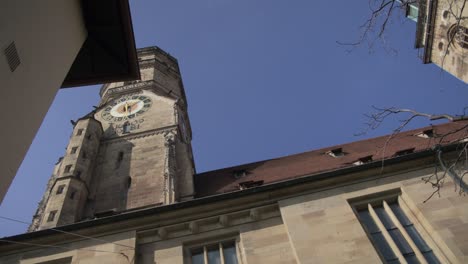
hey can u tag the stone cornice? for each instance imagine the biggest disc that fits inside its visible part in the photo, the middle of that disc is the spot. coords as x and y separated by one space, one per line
128 88
208 224
155 50
134 87
143 134
165 68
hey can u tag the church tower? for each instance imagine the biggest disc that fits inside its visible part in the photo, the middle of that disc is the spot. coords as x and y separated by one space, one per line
132 151
449 46
442 33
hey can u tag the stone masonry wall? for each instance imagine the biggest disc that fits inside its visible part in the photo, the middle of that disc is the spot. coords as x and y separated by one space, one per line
446 51
324 229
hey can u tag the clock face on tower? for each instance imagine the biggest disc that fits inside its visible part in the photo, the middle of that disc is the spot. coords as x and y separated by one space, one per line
125 108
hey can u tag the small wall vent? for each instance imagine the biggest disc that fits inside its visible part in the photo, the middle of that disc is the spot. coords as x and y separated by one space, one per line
12 56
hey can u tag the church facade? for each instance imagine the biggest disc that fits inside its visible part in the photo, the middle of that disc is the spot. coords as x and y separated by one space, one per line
126 191
442 34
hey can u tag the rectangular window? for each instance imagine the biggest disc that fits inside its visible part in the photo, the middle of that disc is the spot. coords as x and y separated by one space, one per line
79 132
412 12
73 150
218 253
67 168
126 128
392 233
72 194
60 189
51 216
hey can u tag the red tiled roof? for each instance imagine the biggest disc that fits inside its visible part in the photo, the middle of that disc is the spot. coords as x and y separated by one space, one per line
312 162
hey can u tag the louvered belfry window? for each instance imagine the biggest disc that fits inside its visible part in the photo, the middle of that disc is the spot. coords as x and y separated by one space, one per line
12 56
394 236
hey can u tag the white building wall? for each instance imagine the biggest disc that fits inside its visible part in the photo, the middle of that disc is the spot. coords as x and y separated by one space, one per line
48 35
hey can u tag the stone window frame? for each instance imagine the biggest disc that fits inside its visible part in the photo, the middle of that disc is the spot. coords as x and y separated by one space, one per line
67 169
219 243
60 189
389 206
73 150
457 35
51 216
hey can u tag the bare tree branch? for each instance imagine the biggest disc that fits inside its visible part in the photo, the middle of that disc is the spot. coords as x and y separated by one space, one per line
382 11
457 168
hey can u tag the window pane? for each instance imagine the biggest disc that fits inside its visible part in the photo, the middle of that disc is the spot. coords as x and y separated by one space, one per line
400 214
384 248
229 252
414 234
417 239
431 258
383 216
366 219
413 13
411 259
377 237
400 241
214 256
197 258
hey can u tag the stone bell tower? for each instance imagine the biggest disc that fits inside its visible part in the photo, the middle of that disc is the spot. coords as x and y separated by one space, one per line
133 151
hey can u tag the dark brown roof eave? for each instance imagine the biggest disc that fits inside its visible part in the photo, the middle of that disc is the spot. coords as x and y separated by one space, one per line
109 52
225 196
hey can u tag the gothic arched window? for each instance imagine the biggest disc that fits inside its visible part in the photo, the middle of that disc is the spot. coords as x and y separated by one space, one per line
458 35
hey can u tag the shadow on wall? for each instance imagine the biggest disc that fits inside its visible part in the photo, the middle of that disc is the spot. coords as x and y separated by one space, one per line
112 181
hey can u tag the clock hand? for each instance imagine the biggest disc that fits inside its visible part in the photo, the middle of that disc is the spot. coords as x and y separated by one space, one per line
131 105
126 108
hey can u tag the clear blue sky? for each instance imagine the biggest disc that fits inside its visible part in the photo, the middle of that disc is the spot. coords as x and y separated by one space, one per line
264 79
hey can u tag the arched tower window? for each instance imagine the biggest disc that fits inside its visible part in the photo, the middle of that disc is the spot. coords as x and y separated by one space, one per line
458 35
